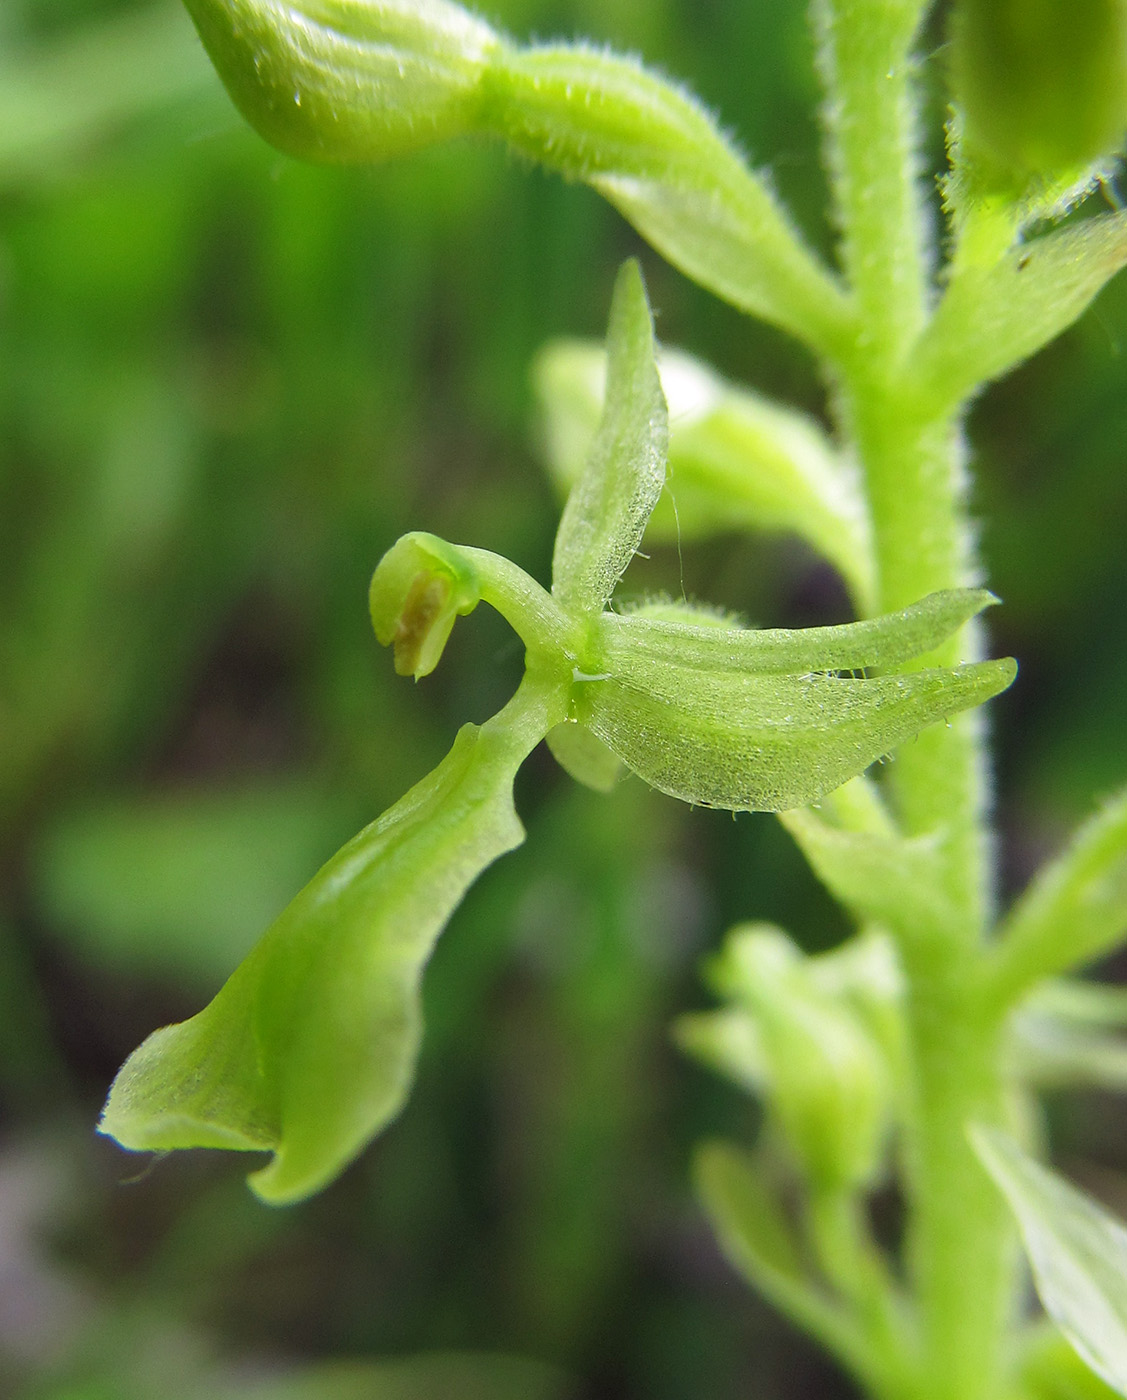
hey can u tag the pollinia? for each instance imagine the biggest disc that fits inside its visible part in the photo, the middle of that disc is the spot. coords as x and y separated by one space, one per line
914 1051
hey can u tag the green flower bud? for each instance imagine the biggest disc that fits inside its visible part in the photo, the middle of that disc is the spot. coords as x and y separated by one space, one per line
420 586
364 80
348 80
1042 83
826 1080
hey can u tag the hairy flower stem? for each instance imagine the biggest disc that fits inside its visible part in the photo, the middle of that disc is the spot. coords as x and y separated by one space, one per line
959 1245
958 1234
958 1239
915 480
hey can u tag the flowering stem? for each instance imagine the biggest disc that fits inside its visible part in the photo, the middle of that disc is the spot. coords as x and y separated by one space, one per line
958 1241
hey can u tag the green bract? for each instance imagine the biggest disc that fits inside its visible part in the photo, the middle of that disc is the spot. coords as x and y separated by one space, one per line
995 314
1078 1253
1074 911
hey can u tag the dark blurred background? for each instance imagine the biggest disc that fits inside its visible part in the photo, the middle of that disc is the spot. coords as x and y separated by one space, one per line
228 382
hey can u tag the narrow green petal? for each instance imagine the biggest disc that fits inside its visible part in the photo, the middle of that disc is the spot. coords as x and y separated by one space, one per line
737 461
885 642
606 513
766 742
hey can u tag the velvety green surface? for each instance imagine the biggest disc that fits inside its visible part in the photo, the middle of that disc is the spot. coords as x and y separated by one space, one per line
228 383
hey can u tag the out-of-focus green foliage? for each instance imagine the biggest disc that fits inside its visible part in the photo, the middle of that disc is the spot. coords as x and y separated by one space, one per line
227 383
1043 86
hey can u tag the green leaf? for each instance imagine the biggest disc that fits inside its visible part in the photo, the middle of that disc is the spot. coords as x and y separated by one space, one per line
995 315
606 513
341 81
309 1049
1074 911
712 716
1077 1250
736 460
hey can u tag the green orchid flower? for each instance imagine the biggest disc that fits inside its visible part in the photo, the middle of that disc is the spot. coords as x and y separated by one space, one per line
309 1049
